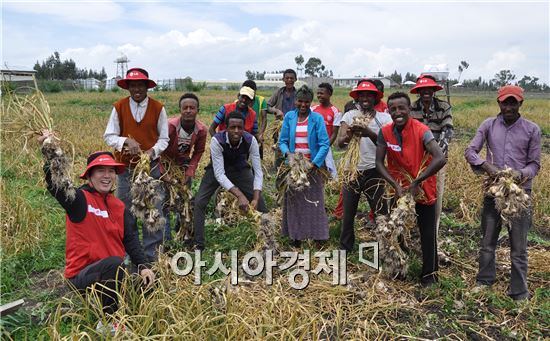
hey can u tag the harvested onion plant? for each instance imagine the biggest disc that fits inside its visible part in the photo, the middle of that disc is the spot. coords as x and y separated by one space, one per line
394 230
179 197
227 210
272 131
347 169
294 176
267 225
146 194
29 116
510 199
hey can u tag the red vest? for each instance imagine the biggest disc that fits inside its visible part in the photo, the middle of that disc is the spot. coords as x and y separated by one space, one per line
144 132
98 236
408 156
248 122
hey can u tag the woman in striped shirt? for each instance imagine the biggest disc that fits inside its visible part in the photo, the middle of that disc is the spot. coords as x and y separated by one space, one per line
304 132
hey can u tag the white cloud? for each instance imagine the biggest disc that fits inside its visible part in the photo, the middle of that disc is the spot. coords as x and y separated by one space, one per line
509 59
75 12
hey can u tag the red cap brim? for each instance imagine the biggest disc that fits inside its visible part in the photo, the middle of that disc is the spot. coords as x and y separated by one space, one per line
100 161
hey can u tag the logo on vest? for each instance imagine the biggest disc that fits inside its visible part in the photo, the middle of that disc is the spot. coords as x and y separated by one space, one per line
98 212
394 147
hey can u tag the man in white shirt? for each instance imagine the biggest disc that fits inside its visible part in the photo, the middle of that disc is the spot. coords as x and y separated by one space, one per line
230 152
369 180
138 124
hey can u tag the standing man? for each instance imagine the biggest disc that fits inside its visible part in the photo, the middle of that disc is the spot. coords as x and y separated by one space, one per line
245 98
379 105
138 124
436 114
230 151
187 141
282 101
260 108
404 144
369 180
511 141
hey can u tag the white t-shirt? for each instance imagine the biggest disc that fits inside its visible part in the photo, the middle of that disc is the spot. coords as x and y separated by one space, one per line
367 148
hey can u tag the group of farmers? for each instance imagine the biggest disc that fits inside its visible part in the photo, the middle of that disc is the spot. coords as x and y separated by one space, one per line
404 146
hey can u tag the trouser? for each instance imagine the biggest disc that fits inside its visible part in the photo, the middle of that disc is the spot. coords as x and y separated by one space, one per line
428 242
439 203
491 224
151 240
370 183
109 272
243 179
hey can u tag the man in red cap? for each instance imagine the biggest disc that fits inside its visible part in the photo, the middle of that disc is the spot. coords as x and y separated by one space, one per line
511 141
138 124
99 230
436 114
369 180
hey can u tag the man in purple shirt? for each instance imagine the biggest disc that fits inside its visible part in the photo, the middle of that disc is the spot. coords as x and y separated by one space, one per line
512 141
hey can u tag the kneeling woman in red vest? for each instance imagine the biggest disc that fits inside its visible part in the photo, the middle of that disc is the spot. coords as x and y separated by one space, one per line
99 232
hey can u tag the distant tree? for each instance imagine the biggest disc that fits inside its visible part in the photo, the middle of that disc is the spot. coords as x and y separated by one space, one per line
529 83
410 77
250 75
461 67
313 66
299 61
396 77
503 77
380 74
53 68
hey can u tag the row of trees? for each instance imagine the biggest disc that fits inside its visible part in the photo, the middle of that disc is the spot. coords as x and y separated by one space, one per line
53 68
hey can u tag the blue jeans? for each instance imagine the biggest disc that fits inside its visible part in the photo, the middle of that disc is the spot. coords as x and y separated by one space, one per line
151 240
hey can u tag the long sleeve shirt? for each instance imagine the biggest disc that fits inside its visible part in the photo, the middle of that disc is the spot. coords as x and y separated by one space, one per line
78 208
439 119
517 146
216 153
112 132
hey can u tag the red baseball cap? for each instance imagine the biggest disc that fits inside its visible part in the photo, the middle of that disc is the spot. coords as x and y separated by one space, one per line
102 159
510 91
425 82
365 86
136 74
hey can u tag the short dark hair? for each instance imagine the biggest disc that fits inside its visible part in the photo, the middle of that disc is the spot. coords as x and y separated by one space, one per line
290 71
399 94
234 114
304 91
250 83
326 86
189 95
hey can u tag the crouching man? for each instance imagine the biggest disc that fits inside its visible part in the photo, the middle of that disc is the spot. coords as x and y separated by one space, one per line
230 152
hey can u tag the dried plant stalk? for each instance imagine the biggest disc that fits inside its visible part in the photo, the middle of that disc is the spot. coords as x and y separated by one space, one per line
347 172
179 197
146 196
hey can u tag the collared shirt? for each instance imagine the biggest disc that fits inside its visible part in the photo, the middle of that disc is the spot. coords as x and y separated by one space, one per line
517 146
282 100
216 152
112 132
367 149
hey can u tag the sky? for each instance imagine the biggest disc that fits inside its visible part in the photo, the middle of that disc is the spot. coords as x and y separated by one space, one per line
224 39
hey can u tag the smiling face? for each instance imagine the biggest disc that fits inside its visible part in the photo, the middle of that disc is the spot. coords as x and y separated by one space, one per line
302 104
323 95
235 128
426 94
102 178
399 110
289 80
243 102
510 109
366 99
188 112
138 90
